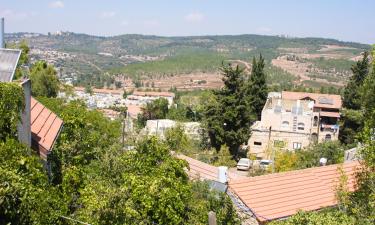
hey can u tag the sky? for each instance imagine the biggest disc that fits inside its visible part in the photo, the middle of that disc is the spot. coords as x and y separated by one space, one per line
346 20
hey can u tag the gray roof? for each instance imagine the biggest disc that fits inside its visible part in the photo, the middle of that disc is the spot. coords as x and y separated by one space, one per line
8 63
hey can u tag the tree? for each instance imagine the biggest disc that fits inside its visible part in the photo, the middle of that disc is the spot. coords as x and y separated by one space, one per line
332 217
362 201
26 197
23 60
12 103
360 70
355 98
257 89
368 95
156 109
44 80
86 132
25 194
176 139
228 114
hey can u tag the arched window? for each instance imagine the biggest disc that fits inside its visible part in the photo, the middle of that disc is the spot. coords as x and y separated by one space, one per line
285 124
314 137
315 121
328 137
301 126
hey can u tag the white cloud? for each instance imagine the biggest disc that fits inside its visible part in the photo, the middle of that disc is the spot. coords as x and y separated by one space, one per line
264 29
107 14
194 17
56 4
13 15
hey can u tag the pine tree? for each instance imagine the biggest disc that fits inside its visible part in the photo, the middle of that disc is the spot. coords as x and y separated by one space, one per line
258 89
228 116
357 93
352 95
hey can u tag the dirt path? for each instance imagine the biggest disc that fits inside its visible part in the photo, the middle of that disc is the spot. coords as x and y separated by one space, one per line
246 64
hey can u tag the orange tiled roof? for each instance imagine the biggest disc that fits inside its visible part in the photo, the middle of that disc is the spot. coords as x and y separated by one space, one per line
201 170
134 110
154 93
336 99
102 91
45 127
282 194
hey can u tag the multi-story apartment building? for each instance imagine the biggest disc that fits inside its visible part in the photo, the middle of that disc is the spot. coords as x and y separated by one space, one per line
293 120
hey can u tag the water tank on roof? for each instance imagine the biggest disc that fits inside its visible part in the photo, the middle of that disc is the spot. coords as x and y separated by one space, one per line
323 161
222 175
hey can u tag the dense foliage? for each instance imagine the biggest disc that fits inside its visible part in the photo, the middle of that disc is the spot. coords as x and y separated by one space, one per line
157 109
257 88
228 115
309 157
330 217
12 103
44 80
94 180
353 101
232 109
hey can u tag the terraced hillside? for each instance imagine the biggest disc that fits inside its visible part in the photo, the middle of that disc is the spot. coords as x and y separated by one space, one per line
191 62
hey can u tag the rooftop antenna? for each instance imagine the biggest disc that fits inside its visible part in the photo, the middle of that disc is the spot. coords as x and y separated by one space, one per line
2 42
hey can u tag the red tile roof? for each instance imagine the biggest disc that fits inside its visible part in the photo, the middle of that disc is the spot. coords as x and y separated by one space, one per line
334 99
203 171
102 91
154 93
45 128
282 194
134 110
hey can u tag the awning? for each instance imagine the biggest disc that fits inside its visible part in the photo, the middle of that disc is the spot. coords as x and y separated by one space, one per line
330 114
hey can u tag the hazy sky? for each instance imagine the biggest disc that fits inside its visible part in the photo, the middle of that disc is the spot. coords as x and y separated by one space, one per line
348 20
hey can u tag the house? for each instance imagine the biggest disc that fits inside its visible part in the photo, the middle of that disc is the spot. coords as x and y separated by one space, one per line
39 127
45 128
141 98
159 127
280 195
293 120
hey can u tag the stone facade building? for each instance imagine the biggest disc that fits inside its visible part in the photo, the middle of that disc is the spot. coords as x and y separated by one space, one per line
293 120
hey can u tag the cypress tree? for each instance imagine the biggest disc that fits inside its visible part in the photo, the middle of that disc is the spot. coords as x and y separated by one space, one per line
229 115
258 89
352 95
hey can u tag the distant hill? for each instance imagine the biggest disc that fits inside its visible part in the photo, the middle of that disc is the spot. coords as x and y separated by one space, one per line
95 60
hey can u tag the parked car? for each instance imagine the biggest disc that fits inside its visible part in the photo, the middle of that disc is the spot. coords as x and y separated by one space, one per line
244 164
265 163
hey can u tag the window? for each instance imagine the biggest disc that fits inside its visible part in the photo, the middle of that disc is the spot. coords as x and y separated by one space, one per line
301 126
315 121
314 137
257 143
297 145
285 124
328 137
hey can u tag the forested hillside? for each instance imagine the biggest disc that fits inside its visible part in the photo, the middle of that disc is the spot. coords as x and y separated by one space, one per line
165 62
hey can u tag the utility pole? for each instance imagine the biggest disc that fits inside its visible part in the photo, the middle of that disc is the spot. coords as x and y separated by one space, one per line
123 129
273 150
212 218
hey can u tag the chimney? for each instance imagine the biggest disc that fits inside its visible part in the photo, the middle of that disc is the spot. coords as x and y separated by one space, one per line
2 34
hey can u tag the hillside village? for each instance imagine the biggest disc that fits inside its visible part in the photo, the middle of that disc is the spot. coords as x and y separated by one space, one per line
241 151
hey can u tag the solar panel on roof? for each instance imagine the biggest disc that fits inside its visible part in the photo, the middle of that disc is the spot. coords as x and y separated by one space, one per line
324 100
8 63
